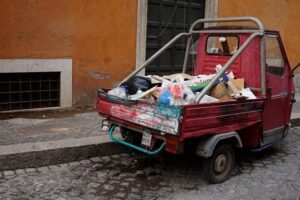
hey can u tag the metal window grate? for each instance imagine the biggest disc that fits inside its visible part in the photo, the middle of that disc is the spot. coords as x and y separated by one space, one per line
20 91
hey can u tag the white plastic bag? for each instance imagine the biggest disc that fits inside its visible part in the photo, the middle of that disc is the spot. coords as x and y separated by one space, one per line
118 92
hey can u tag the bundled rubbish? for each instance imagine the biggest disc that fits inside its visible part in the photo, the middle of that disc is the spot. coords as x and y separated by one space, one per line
137 83
176 94
208 99
120 92
182 89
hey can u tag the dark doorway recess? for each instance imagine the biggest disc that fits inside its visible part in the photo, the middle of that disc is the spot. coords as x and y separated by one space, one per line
167 18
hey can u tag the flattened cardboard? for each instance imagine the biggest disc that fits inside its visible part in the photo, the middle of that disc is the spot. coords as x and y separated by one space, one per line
220 92
208 99
142 95
238 83
184 76
232 88
155 93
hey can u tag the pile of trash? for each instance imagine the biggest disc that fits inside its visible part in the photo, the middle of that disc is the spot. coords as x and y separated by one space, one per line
182 89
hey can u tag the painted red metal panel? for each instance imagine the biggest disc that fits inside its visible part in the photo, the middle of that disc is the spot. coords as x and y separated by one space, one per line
205 64
214 108
275 111
278 107
162 118
251 135
220 120
196 120
220 117
246 66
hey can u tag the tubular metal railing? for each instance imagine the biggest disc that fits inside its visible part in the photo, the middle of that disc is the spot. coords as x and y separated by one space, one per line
259 32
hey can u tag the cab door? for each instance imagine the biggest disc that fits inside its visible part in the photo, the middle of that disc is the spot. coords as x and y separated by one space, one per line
277 108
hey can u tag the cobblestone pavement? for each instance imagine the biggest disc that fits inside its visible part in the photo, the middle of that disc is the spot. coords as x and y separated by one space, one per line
274 174
22 130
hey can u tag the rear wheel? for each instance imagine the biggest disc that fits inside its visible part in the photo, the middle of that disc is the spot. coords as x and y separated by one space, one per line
220 165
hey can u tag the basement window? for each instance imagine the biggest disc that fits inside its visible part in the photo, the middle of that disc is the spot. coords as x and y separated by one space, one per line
19 91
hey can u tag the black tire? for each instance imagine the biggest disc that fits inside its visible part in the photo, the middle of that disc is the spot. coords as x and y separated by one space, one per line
220 165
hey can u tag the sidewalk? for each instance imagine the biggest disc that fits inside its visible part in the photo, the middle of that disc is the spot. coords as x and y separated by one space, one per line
23 130
58 137
296 108
63 137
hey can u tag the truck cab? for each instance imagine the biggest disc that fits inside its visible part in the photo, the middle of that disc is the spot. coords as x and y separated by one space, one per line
217 48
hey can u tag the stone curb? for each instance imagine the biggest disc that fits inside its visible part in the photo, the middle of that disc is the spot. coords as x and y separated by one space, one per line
33 155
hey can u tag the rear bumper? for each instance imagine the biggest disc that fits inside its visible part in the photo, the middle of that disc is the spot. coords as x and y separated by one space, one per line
138 148
171 142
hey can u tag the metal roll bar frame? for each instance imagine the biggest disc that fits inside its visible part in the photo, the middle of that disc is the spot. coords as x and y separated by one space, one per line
259 32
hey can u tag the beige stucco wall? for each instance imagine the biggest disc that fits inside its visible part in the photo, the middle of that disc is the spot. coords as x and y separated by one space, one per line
99 36
282 15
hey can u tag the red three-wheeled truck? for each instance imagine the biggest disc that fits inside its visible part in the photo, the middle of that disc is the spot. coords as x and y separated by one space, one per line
252 53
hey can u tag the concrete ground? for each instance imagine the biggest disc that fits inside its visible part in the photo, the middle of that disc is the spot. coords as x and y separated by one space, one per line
28 130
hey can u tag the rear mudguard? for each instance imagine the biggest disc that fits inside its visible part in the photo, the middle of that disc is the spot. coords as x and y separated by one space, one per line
206 146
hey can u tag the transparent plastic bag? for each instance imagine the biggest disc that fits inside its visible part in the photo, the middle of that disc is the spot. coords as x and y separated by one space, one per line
118 92
176 94
165 97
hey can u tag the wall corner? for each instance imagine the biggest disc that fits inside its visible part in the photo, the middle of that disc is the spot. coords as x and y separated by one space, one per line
211 10
141 36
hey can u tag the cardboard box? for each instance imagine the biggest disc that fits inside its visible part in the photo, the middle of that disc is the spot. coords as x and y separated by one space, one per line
208 99
155 93
238 83
155 79
235 86
220 92
142 95
232 89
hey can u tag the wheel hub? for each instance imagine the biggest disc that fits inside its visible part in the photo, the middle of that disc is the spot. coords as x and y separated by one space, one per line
221 163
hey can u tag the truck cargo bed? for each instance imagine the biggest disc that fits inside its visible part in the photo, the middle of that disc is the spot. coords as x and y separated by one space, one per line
186 121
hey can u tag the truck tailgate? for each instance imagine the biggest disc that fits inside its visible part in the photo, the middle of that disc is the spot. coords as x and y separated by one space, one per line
157 117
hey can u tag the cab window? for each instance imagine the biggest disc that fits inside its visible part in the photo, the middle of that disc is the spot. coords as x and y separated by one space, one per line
274 59
222 45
